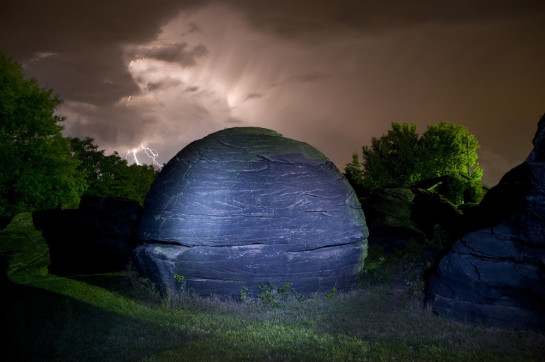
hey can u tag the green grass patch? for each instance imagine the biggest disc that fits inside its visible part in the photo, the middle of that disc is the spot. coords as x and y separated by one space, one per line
118 317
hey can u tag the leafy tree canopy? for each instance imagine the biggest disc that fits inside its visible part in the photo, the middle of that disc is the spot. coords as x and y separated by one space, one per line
354 173
392 160
447 148
40 168
400 158
110 175
37 170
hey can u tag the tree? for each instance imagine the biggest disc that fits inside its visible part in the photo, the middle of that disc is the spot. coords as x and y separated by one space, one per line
110 175
139 181
391 160
37 170
401 158
447 148
354 173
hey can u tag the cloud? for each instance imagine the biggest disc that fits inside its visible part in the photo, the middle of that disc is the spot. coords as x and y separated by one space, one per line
86 38
193 28
64 25
163 84
179 53
495 165
253 95
80 77
309 77
330 73
235 122
325 19
131 124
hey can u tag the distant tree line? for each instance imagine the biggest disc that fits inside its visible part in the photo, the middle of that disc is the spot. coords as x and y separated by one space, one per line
111 175
40 168
401 158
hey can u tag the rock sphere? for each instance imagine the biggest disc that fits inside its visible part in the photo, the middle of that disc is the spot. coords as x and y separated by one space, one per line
244 207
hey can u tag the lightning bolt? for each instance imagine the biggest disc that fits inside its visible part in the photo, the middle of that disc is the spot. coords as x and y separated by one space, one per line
133 153
150 152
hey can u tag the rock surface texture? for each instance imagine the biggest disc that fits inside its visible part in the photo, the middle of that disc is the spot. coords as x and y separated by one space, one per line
496 275
245 206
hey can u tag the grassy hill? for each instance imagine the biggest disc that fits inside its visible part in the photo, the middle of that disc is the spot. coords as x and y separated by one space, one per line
119 317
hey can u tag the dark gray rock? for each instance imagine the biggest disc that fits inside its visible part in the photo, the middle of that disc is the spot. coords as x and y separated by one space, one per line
246 206
496 275
99 236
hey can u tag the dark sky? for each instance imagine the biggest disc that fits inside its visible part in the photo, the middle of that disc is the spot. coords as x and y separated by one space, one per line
162 73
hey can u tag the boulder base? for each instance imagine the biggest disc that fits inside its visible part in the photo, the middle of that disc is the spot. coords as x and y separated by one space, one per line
246 206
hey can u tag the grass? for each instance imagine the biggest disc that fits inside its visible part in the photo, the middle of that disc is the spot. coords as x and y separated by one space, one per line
117 317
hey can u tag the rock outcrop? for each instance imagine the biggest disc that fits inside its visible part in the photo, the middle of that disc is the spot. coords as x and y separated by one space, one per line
99 236
245 206
496 275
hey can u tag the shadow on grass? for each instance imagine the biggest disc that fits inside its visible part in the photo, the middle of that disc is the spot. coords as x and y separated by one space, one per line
114 282
41 325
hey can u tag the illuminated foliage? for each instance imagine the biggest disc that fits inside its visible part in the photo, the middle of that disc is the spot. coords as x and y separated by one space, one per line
400 158
36 168
447 148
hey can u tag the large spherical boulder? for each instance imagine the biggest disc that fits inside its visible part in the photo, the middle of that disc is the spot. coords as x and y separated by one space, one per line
246 206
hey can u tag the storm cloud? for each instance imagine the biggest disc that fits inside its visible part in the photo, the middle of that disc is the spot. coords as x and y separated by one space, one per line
334 74
179 53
